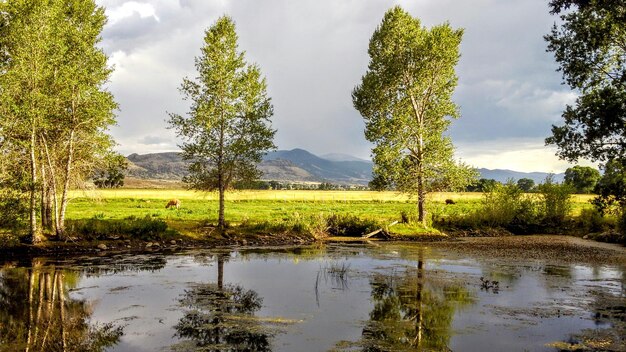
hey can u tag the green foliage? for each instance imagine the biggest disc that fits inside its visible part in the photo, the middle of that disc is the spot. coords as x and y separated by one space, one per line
554 201
582 178
411 153
145 228
589 48
325 186
13 207
505 205
592 221
351 225
112 174
482 185
508 206
14 188
227 129
611 188
526 184
54 107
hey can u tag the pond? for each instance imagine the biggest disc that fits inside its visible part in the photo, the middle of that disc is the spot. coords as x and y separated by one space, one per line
338 297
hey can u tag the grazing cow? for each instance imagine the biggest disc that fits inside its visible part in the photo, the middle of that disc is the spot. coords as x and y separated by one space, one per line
449 201
173 203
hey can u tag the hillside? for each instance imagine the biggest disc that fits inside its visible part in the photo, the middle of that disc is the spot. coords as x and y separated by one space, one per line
349 171
504 175
297 165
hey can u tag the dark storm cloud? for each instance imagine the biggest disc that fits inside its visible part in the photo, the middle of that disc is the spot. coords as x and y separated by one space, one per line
313 53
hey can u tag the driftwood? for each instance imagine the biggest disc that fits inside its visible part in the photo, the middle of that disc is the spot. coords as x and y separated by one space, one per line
377 231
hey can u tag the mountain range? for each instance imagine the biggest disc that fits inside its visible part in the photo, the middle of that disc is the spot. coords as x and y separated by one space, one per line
297 165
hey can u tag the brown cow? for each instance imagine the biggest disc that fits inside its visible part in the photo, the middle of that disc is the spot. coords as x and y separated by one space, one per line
173 203
449 201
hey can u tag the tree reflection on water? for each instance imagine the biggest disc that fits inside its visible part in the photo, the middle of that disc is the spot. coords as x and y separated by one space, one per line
37 313
411 311
221 318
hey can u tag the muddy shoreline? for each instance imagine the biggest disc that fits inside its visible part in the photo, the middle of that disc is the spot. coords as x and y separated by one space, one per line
524 247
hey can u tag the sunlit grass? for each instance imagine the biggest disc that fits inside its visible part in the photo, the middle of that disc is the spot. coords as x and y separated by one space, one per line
272 205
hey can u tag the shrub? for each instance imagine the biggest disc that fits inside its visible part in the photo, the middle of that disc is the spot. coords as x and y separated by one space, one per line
350 225
592 220
145 228
505 205
555 201
13 208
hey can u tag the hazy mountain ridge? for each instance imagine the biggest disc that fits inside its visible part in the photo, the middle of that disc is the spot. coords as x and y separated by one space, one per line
297 165
504 175
352 171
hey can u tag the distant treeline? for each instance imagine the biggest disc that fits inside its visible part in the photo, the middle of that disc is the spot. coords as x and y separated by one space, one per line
280 185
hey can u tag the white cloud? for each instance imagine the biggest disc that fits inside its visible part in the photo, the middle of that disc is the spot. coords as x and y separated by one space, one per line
525 155
130 8
313 53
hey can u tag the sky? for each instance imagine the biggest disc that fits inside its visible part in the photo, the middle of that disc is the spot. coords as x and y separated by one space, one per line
314 52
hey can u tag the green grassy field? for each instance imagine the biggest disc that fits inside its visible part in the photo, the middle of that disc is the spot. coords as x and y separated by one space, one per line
251 207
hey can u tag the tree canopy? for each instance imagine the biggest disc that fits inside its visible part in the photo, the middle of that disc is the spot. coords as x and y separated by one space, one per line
582 178
54 107
405 98
227 129
590 48
526 184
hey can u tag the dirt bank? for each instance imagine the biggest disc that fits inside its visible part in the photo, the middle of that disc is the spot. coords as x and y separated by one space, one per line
560 248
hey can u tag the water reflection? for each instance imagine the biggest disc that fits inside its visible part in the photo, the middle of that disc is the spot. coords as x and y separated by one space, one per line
342 297
221 317
37 314
411 311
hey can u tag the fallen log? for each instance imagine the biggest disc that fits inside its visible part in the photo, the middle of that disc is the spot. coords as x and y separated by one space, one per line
378 231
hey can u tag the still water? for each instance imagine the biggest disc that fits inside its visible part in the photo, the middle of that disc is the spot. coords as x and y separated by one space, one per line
388 297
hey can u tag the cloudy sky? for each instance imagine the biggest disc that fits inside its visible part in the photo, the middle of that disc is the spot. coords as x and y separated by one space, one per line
313 53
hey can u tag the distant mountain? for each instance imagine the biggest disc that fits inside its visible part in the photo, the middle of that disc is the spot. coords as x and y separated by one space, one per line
351 171
504 175
341 157
282 165
285 170
297 165
161 166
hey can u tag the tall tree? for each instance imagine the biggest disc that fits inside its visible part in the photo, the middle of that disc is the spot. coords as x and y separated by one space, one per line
582 178
111 173
590 47
86 108
53 101
611 187
26 45
227 130
526 184
405 98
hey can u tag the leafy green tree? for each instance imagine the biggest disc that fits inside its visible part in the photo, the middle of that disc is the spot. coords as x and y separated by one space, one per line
589 47
611 187
26 44
525 184
85 109
112 174
227 130
482 185
582 178
53 104
555 201
405 98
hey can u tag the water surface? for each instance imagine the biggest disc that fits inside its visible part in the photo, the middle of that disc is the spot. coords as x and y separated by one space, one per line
387 297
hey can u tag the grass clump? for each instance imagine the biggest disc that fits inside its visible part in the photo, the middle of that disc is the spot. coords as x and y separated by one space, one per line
506 206
347 225
146 228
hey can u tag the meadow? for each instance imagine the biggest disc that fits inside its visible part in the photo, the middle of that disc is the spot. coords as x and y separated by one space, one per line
282 209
